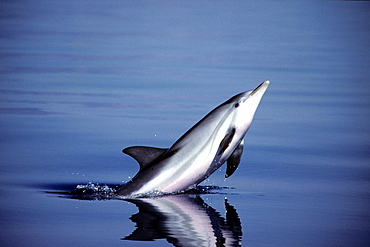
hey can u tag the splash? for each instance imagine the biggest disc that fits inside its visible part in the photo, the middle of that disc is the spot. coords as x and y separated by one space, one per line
91 188
96 191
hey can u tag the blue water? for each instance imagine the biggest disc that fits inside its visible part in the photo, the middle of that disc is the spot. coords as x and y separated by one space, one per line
81 80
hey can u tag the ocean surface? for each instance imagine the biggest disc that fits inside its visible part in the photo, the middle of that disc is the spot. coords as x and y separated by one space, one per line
81 80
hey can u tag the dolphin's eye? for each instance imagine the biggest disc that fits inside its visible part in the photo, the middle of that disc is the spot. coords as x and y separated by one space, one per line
236 105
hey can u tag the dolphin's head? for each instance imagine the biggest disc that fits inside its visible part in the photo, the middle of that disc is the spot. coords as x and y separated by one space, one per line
244 105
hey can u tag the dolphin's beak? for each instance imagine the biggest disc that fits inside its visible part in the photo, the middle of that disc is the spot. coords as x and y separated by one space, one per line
261 88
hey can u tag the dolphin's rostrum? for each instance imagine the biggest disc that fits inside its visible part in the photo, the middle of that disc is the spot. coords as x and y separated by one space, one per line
214 140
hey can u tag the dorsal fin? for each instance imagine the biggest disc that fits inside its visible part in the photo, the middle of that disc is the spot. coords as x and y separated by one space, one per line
144 155
234 160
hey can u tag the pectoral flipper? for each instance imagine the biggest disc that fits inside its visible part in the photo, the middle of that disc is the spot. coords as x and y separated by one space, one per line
234 160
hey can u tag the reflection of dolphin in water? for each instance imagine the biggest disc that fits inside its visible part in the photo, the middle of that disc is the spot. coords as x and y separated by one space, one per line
185 220
217 138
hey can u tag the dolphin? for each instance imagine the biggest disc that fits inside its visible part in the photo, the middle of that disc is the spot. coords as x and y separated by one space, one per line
215 139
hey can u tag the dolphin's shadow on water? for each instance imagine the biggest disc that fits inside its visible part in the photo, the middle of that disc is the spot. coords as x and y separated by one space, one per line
185 220
182 219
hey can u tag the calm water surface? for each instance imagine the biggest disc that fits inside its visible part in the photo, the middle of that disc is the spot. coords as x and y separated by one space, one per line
80 80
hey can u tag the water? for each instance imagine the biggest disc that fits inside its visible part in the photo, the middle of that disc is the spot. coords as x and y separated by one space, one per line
82 80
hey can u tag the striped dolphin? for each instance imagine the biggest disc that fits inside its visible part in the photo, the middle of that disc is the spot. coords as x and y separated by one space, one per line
214 140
